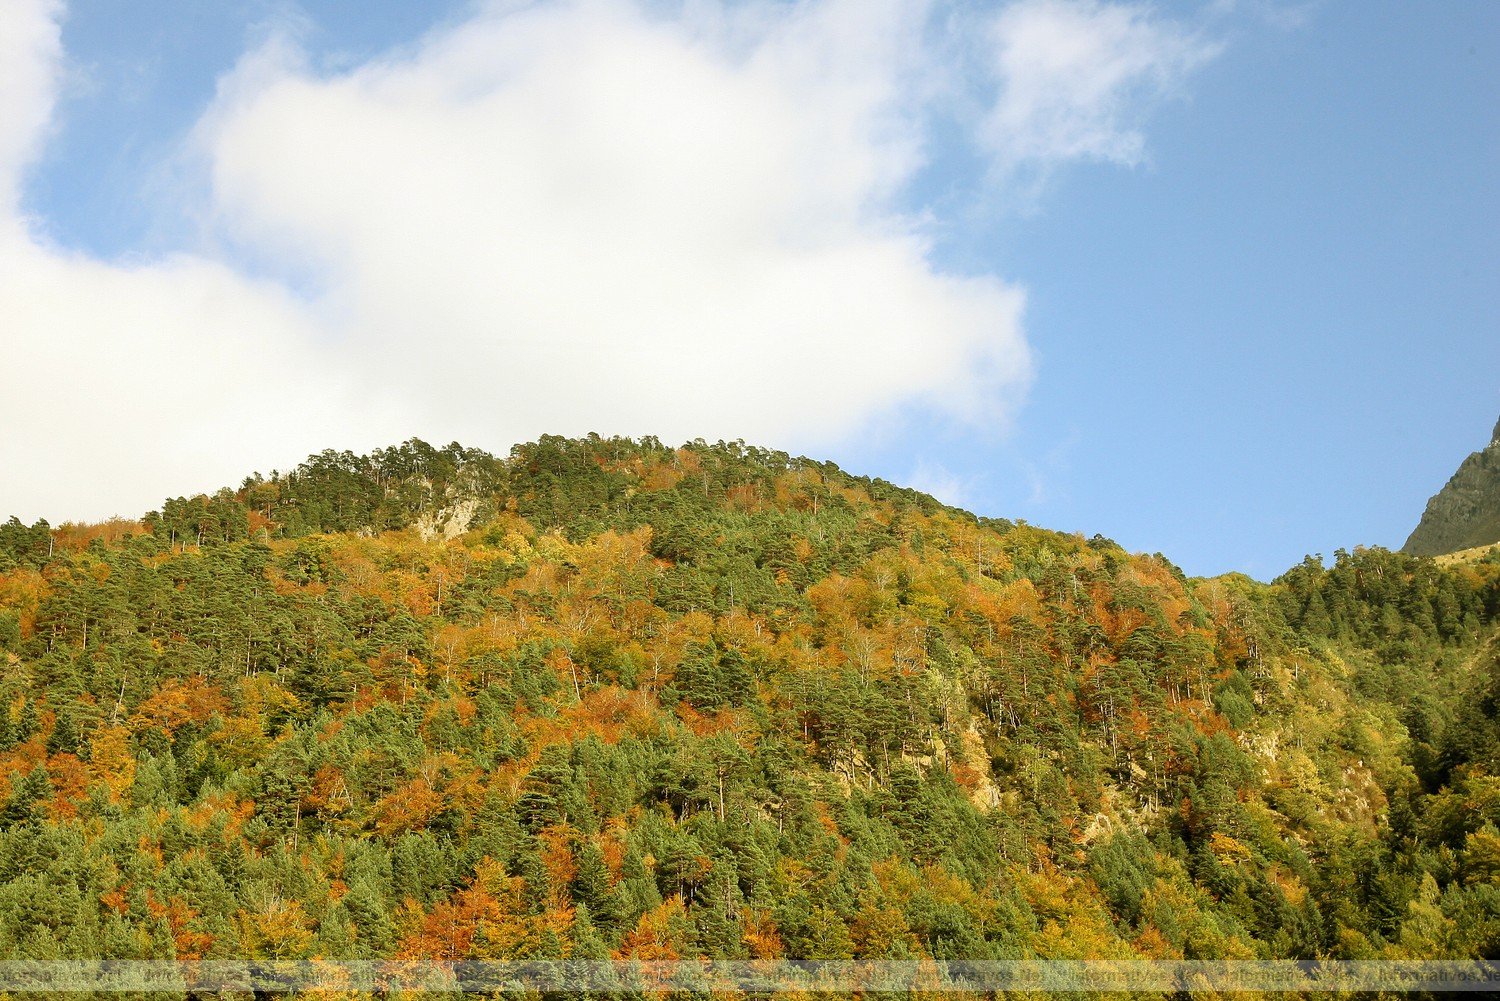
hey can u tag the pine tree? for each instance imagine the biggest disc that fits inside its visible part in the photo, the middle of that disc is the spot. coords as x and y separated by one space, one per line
26 794
542 798
591 889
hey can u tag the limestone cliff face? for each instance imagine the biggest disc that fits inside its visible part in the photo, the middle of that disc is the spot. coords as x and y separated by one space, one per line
1466 512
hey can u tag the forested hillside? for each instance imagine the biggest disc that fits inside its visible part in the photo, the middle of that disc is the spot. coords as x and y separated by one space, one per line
611 698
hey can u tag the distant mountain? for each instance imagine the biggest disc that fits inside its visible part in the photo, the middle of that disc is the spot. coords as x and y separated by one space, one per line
1466 512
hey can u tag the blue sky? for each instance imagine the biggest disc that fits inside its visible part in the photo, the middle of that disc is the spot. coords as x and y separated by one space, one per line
1258 249
1283 334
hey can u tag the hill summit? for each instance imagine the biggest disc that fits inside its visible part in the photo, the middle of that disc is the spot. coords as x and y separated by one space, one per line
1466 512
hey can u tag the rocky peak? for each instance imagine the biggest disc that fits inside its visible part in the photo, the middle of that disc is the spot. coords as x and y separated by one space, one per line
1466 512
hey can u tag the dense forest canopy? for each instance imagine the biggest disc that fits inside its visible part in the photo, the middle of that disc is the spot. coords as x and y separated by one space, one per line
606 697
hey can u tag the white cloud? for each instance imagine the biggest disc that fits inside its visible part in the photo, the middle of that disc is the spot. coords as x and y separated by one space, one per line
555 217
941 482
1076 77
126 384
575 217
123 383
30 43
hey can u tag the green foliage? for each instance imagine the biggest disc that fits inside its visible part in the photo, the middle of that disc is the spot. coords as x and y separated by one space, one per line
605 697
24 546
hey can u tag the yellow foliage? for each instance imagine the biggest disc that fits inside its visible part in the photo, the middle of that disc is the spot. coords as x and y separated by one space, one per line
113 764
1229 851
241 740
279 929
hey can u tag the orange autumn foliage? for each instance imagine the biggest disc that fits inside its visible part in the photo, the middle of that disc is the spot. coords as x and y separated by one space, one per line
556 853
657 935
188 943
76 536
761 936
70 783
486 920
178 702
608 713
445 783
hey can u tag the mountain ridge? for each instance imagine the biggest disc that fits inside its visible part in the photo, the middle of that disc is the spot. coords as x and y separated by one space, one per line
1465 513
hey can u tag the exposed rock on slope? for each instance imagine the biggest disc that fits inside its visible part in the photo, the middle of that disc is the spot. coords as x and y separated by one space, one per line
1466 512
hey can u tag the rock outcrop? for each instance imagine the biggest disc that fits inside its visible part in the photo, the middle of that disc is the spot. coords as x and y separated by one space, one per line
1466 512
